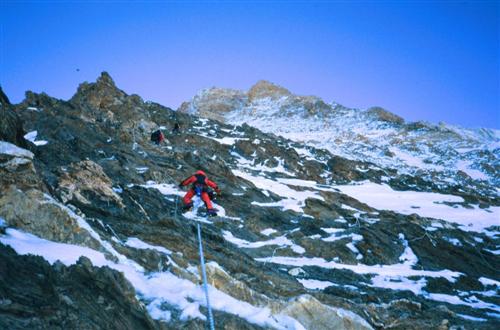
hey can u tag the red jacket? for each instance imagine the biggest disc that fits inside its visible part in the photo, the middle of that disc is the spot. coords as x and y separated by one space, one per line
199 178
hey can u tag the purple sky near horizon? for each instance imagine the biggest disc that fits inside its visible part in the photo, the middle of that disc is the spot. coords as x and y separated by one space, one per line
433 61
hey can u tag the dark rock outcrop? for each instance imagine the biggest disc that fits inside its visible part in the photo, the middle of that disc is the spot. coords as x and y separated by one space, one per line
36 295
11 128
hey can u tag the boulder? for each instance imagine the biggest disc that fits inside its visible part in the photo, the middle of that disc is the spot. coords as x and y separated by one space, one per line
86 178
37 213
312 314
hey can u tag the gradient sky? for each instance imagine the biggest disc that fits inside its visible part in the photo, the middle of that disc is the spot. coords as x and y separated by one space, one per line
433 61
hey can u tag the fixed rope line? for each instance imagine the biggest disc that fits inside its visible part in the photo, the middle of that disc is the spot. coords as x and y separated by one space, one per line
205 285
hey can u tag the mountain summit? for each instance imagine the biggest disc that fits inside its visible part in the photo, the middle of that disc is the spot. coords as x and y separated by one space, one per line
438 152
264 89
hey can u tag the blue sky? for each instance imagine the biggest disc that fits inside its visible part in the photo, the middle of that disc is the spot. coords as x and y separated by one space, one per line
433 61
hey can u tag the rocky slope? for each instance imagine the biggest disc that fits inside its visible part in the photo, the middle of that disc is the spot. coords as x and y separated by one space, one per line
306 238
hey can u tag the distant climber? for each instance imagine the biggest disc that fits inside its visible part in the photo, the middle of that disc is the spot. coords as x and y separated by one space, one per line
177 128
201 186
157 137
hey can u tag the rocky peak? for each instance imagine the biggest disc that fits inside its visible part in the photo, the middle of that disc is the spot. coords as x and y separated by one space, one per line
264 89
102 101
215 102
99 95
262 99
381 114
105 80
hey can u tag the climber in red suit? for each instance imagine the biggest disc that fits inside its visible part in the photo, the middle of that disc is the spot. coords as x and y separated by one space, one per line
200 186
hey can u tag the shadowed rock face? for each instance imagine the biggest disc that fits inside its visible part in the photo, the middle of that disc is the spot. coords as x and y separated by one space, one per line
11 129
36 295
99 165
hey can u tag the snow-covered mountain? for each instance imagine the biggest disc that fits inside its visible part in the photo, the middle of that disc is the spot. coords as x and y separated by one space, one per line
444 154
321 234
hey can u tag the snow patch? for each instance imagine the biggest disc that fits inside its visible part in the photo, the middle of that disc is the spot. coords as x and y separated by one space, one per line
31 136
280 241
430 205
136 243
268 231
7 148
315 284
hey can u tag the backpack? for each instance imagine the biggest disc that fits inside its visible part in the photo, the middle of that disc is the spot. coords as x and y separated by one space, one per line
157 137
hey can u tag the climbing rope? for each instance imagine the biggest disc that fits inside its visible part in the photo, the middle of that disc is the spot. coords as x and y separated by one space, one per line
205 285
202 262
